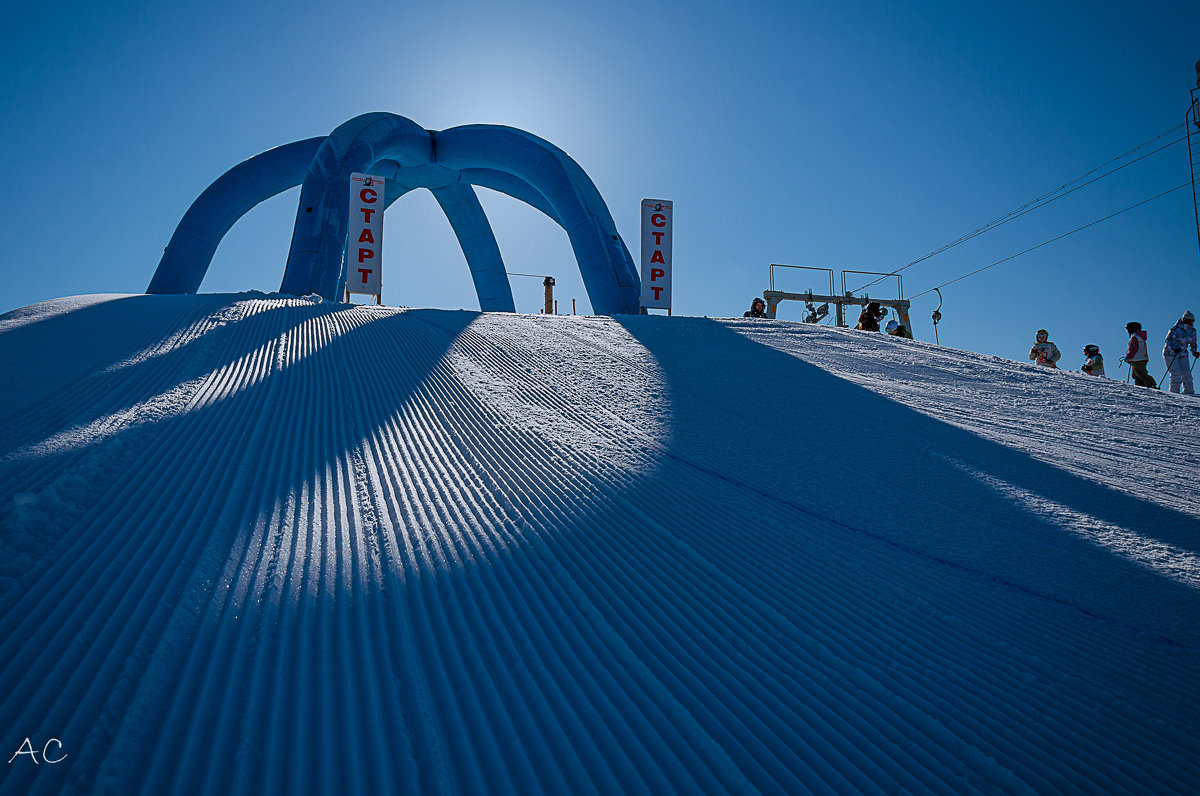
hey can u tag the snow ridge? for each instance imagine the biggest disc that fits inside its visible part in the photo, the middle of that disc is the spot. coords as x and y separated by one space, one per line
260 544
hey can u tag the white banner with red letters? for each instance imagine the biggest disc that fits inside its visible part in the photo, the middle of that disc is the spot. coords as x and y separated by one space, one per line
656 254
364 244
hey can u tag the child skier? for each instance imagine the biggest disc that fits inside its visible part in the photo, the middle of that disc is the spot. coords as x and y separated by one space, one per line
1138 356
1095 362
1044 352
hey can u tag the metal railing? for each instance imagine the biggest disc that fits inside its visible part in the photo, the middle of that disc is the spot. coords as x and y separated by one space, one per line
802 268
899 282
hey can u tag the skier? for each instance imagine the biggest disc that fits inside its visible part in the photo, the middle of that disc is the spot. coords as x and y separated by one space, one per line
894 328
1180 339
1044 352
869 320
1137 355
758 309
1095 362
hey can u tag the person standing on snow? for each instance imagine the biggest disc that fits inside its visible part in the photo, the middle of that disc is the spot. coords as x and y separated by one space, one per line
758 309
1180 339
1095 363
869 320
1044 352
1138 356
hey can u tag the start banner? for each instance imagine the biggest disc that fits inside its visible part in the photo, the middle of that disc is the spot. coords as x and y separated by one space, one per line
364 243
656 254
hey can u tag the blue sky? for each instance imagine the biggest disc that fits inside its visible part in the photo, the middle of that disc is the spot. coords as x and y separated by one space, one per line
853 136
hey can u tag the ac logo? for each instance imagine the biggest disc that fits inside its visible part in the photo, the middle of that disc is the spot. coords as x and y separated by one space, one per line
27 748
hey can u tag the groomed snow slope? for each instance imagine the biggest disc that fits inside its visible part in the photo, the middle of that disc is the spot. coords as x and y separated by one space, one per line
256 544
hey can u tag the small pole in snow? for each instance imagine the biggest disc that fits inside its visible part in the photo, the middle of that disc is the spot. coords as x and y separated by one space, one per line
548 282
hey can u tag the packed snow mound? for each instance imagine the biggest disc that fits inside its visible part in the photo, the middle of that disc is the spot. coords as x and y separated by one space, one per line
261 544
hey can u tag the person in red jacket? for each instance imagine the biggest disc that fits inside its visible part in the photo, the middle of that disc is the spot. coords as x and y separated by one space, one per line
1138 355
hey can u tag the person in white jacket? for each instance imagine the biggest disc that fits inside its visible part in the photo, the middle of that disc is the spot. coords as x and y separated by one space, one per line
1044 352
1180 340
1137 356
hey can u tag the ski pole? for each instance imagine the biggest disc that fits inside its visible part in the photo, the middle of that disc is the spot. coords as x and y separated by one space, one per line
1127 365
1170 365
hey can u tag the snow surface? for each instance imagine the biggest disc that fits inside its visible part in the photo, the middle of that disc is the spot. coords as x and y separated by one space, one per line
259 544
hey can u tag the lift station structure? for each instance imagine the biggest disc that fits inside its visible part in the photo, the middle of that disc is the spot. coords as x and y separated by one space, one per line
815 314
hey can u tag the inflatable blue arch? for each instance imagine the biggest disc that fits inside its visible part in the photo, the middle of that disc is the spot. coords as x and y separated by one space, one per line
447 163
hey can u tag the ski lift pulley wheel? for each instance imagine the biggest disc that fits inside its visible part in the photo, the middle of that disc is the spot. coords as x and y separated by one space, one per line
937 316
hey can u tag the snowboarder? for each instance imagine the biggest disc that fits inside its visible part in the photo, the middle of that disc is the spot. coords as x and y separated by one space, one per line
1137 356
869 320
758 309
898 330
1044 352
1095 362
1180 340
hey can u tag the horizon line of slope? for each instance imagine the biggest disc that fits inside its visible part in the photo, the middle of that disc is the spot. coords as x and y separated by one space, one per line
520 553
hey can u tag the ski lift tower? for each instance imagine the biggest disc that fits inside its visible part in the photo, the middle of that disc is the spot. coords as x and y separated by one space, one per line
1192 122
847 298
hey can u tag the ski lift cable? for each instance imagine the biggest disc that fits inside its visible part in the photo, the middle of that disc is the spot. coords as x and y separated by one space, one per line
1036 203
1031 206
1123 155
1044 199
1046 196
1052 240
1141 146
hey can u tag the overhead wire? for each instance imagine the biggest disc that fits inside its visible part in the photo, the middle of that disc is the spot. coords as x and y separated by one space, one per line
1046 198
1030 207
1052 240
